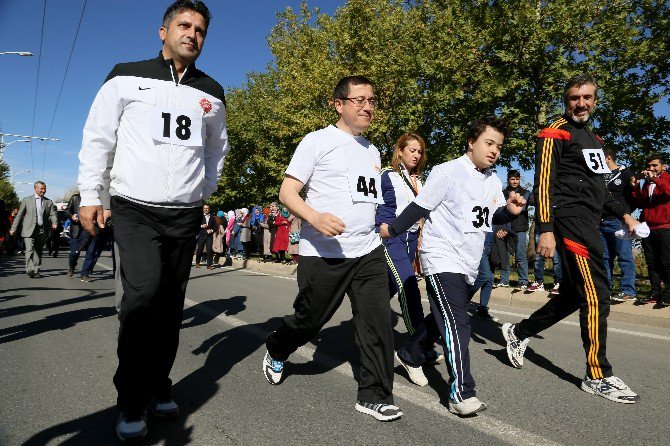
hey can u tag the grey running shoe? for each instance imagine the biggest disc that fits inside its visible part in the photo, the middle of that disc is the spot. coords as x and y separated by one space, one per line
165 409
131 429
612 388
515 346
415 373
272 369
381 411
466 407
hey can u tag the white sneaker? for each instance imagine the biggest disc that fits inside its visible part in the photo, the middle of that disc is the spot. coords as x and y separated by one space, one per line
415 373
501 285
272 369
515 347
612 388
554 291
469 406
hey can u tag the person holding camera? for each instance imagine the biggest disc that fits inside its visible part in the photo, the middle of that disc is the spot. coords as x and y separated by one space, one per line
654 199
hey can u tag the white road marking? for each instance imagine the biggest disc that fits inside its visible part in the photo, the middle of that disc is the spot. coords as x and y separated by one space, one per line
506 313
486 424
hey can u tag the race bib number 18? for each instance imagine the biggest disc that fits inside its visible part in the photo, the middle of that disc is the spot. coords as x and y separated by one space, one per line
176 127
595 160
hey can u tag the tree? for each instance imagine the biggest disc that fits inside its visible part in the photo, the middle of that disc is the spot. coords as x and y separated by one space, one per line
7 192
437 64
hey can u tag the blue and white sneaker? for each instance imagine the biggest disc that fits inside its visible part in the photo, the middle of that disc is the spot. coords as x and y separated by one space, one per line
612 388
272 369
131 428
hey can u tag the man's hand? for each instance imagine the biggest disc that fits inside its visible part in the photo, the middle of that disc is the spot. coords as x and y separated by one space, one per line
107 214
54 226
384 231
630 223
327 224
11 232
501 234
89 216
546 245
515 203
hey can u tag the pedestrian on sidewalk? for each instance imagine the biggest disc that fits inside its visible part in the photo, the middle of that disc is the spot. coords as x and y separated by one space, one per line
463 199
570 193
520 228
654 199
619 185
339 249
205 238
152 117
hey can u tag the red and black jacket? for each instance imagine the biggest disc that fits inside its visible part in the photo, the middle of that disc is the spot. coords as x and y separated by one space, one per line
565 186
655 209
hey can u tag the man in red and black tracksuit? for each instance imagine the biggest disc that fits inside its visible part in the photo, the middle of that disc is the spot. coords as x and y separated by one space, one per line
654 199
570 195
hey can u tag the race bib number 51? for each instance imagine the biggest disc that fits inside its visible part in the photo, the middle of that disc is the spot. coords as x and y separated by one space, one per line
595 160
176 127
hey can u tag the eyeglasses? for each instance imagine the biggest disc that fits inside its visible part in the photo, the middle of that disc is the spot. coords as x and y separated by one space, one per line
361 101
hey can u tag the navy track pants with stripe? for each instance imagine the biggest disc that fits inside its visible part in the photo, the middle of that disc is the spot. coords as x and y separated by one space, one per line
449 295
400 253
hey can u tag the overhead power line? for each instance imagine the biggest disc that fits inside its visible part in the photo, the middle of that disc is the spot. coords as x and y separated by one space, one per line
37 84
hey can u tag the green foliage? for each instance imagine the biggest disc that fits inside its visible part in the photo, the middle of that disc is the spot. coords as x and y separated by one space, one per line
7 192
437 64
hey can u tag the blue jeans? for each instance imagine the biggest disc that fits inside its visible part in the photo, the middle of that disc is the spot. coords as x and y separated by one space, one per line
539 265
521 261
623 251
484 278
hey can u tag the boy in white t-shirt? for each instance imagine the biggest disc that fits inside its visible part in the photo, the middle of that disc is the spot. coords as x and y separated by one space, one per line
339 250
461 200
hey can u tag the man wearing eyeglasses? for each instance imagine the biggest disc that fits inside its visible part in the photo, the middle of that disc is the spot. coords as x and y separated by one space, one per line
339 250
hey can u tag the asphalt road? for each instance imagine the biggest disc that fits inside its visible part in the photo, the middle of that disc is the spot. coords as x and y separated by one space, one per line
57 356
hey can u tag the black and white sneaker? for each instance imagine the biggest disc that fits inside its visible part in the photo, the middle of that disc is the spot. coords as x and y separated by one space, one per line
272 369
612 388
165 409
515 346
381 411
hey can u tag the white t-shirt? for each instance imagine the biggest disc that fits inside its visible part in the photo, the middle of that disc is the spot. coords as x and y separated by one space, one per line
462 202
341 173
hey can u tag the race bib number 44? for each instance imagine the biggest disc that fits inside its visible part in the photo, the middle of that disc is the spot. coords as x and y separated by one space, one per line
365 187
176 127
595 160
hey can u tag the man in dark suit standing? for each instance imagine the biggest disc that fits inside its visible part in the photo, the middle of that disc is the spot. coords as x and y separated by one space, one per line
36 212
205 237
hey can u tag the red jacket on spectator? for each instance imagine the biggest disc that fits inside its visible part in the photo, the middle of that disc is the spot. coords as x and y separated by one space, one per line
281 237
655 209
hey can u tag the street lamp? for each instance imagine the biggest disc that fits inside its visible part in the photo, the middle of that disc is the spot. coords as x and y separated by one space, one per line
18 53
4 146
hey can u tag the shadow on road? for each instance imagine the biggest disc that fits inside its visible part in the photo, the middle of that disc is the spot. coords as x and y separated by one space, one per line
14 311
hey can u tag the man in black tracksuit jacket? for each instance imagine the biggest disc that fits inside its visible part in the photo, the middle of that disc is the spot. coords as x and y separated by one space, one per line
570 195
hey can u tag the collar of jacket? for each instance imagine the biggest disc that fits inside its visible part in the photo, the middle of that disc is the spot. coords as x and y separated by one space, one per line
169 63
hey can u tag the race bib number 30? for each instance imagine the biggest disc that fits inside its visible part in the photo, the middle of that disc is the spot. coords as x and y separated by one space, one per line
595 160
478 219
176 127
365 187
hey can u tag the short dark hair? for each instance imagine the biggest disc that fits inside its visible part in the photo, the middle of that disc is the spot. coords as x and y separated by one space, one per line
182 5
478 126
39 182
657 156
578 81
342 88
513 174
609 151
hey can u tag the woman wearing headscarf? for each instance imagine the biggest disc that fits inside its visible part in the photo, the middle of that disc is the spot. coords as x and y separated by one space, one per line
245 232
230 237
219 236
257 217
280 241
400 183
